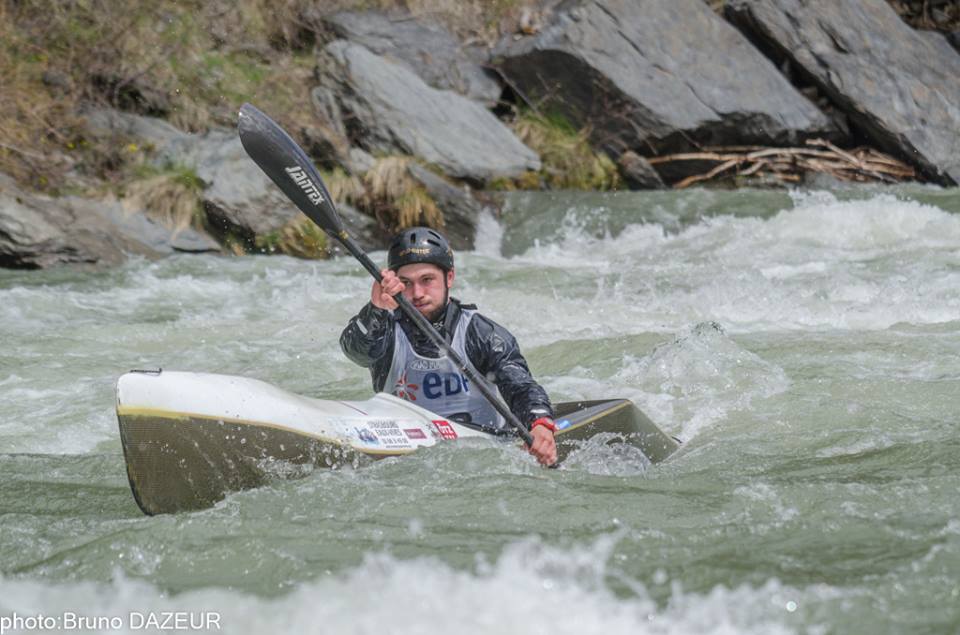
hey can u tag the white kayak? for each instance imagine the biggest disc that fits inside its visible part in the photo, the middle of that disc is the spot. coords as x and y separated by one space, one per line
191 438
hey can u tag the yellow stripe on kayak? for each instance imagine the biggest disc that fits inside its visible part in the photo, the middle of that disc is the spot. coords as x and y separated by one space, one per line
128 411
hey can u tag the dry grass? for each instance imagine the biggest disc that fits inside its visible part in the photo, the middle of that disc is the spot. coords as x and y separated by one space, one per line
483 21
935 16
716 5
344 187
188 61
300 238
172 199
569 161
37 127
395 198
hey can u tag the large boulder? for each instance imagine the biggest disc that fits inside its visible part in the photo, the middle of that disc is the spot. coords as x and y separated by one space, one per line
107 123
637 172
384 107
239 199
656 77
899 87
461 210
424 47
137 225
363 229
38 231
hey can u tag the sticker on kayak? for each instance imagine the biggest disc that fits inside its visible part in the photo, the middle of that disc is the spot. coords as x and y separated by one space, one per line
389 433
366 436
414 433
445 429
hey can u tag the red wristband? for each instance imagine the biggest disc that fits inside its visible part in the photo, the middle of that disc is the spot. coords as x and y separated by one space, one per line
546 422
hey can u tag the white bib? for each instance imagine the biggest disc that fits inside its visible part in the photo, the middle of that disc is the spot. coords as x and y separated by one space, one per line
437 384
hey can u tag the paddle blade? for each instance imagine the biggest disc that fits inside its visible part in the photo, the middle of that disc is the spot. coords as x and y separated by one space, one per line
288 166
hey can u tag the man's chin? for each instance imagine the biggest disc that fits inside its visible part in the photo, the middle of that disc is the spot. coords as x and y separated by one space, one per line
430 314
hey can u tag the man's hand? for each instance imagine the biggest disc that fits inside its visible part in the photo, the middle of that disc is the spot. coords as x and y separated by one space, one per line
544 447
382 294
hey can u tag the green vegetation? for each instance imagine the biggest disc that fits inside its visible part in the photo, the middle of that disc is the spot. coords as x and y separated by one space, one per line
569 161
395 198
300 238
170 196
189 61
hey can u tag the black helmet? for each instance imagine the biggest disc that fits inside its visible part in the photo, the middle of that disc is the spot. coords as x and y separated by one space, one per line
419 244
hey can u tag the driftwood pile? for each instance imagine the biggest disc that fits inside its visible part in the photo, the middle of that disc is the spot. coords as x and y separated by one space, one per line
791 164
937 15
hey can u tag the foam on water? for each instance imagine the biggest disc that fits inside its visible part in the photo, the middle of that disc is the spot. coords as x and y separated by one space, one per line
824 263
685 384
531 588
807 354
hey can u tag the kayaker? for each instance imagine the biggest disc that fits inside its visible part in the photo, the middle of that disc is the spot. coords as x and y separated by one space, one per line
405 362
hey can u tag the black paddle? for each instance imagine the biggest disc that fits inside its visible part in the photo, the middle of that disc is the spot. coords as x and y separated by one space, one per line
288 166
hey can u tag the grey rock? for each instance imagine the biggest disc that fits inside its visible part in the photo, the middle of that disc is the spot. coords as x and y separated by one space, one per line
327 149
136 225
656 77
239 198
384 107
897 86
327 109
58 80
364 230
460 209
424 47
939 41
360 161
133 93
39 231
638 173
107 122
193 242
954 39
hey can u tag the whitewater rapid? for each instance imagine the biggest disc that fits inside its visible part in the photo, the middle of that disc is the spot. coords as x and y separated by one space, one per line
805 347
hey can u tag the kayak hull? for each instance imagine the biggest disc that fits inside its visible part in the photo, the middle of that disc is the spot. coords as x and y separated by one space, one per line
190 438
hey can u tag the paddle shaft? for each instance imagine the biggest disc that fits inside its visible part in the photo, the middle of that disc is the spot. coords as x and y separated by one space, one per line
428 329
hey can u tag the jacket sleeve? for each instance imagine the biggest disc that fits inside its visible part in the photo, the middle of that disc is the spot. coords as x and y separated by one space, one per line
368 338
496 354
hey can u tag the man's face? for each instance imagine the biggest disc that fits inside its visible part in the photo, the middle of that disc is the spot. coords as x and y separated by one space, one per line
424 287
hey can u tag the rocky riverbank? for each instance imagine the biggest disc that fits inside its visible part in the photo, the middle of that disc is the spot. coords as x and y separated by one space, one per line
119 140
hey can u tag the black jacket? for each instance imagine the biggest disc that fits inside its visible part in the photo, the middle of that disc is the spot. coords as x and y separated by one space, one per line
368 340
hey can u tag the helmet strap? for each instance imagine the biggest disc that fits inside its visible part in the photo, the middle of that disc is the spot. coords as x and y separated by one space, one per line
446 289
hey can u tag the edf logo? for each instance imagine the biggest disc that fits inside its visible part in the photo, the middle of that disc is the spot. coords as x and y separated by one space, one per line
436 385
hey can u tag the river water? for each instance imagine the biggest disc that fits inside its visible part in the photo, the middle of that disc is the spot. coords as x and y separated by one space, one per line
805 347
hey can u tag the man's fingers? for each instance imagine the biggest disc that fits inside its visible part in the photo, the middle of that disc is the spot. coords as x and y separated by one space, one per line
544 449
384 291
392 287
387 300
391 284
